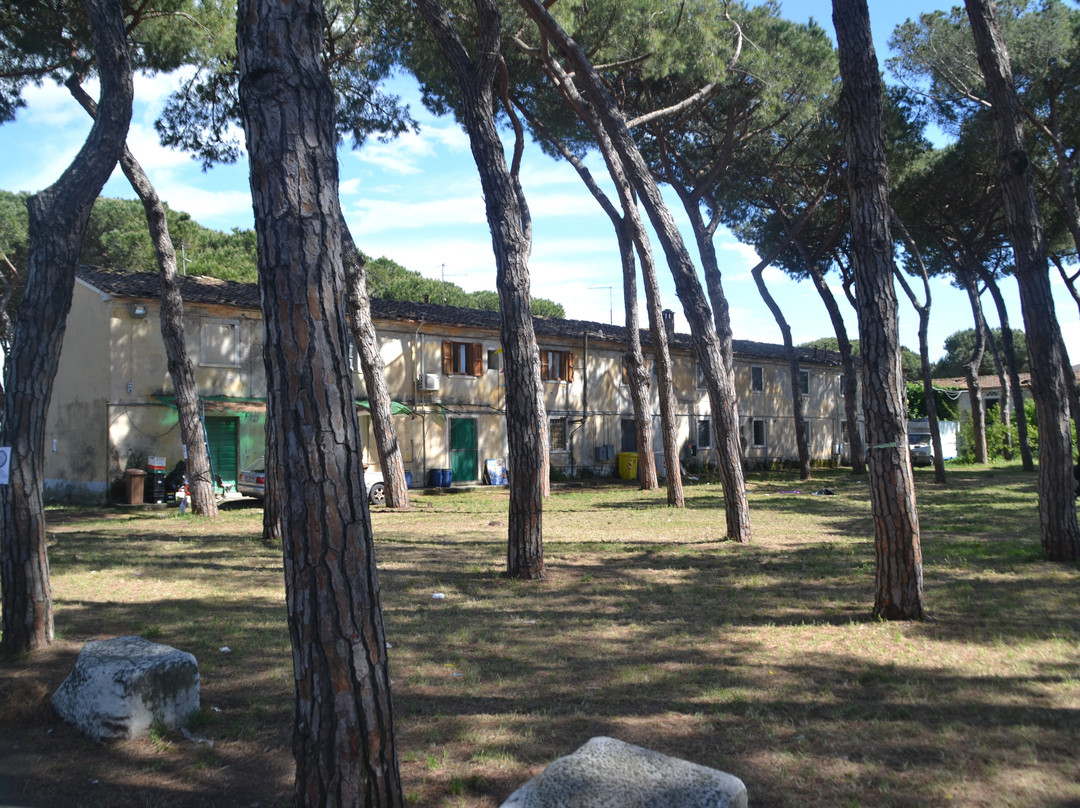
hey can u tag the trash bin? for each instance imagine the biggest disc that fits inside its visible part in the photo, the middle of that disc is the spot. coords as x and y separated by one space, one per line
136 478
440 478
408 479
628 465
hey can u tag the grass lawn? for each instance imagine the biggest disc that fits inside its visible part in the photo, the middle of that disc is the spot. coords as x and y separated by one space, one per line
760 660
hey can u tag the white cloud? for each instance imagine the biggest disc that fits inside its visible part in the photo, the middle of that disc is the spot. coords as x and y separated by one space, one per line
408 153
51 105
371 216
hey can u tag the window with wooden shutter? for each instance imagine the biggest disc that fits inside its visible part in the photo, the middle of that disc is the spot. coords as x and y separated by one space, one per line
557 366
462 358
476 359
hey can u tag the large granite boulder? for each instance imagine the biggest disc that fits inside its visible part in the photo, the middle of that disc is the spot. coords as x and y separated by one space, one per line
608 773
119 687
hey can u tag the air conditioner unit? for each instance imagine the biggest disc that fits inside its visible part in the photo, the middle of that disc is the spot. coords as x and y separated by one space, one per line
429 382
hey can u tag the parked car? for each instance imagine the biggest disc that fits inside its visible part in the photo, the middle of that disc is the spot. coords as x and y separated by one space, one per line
252 480
922 451
252 483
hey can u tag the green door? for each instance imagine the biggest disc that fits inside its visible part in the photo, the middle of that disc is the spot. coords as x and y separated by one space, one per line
221 436
463 462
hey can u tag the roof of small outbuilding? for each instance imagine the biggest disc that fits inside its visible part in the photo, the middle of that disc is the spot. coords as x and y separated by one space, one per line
213 291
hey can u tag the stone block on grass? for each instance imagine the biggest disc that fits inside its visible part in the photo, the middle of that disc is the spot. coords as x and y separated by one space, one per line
608 773
120 687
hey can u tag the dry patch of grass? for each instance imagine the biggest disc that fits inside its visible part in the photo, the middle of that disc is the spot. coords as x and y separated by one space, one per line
759 660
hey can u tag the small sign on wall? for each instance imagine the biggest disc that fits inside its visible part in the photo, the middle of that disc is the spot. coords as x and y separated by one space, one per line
5 464
155 463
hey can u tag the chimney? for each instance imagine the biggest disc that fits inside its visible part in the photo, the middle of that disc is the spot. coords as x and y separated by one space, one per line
426 298
669 323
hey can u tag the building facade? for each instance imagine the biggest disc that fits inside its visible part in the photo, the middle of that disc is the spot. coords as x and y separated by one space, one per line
112 406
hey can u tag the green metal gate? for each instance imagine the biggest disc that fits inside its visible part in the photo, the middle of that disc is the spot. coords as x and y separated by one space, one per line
463 453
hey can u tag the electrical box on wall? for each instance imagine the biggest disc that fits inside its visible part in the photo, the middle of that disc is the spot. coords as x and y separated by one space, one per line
429 382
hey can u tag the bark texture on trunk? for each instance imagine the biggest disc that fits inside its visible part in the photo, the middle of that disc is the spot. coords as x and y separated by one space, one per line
508 219
58 217
371 365
181 370
892 488
636 372
343 739
1050 387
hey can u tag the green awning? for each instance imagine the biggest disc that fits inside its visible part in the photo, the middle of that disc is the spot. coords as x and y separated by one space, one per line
396 407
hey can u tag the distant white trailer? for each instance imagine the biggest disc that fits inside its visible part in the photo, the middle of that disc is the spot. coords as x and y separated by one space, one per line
919 431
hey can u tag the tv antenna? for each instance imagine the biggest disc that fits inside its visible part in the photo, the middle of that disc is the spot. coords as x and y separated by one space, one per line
611 305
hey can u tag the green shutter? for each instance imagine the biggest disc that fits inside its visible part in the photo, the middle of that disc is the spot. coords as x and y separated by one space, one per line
221 435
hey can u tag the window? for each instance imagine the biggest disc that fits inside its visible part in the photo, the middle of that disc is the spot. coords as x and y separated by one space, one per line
219 343
462 358
758 433
557 366
757 378
495 359
557 434
704 433
699 376
804 381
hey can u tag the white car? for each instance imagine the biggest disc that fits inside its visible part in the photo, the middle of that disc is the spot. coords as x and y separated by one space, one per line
252 480
252 483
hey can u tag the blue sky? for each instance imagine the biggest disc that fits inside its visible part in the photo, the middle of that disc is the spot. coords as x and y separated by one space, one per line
418 201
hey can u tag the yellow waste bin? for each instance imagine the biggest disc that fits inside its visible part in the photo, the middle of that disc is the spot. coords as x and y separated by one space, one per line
628 465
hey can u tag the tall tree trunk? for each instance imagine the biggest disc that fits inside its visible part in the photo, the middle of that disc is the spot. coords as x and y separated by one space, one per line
923 310
973 367
272 487
371 365
639 238
847 362
1005 400
58 217
181 371
636 373
1057 504
1008 349
892 488
343 739
508 219
719 376
802 437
